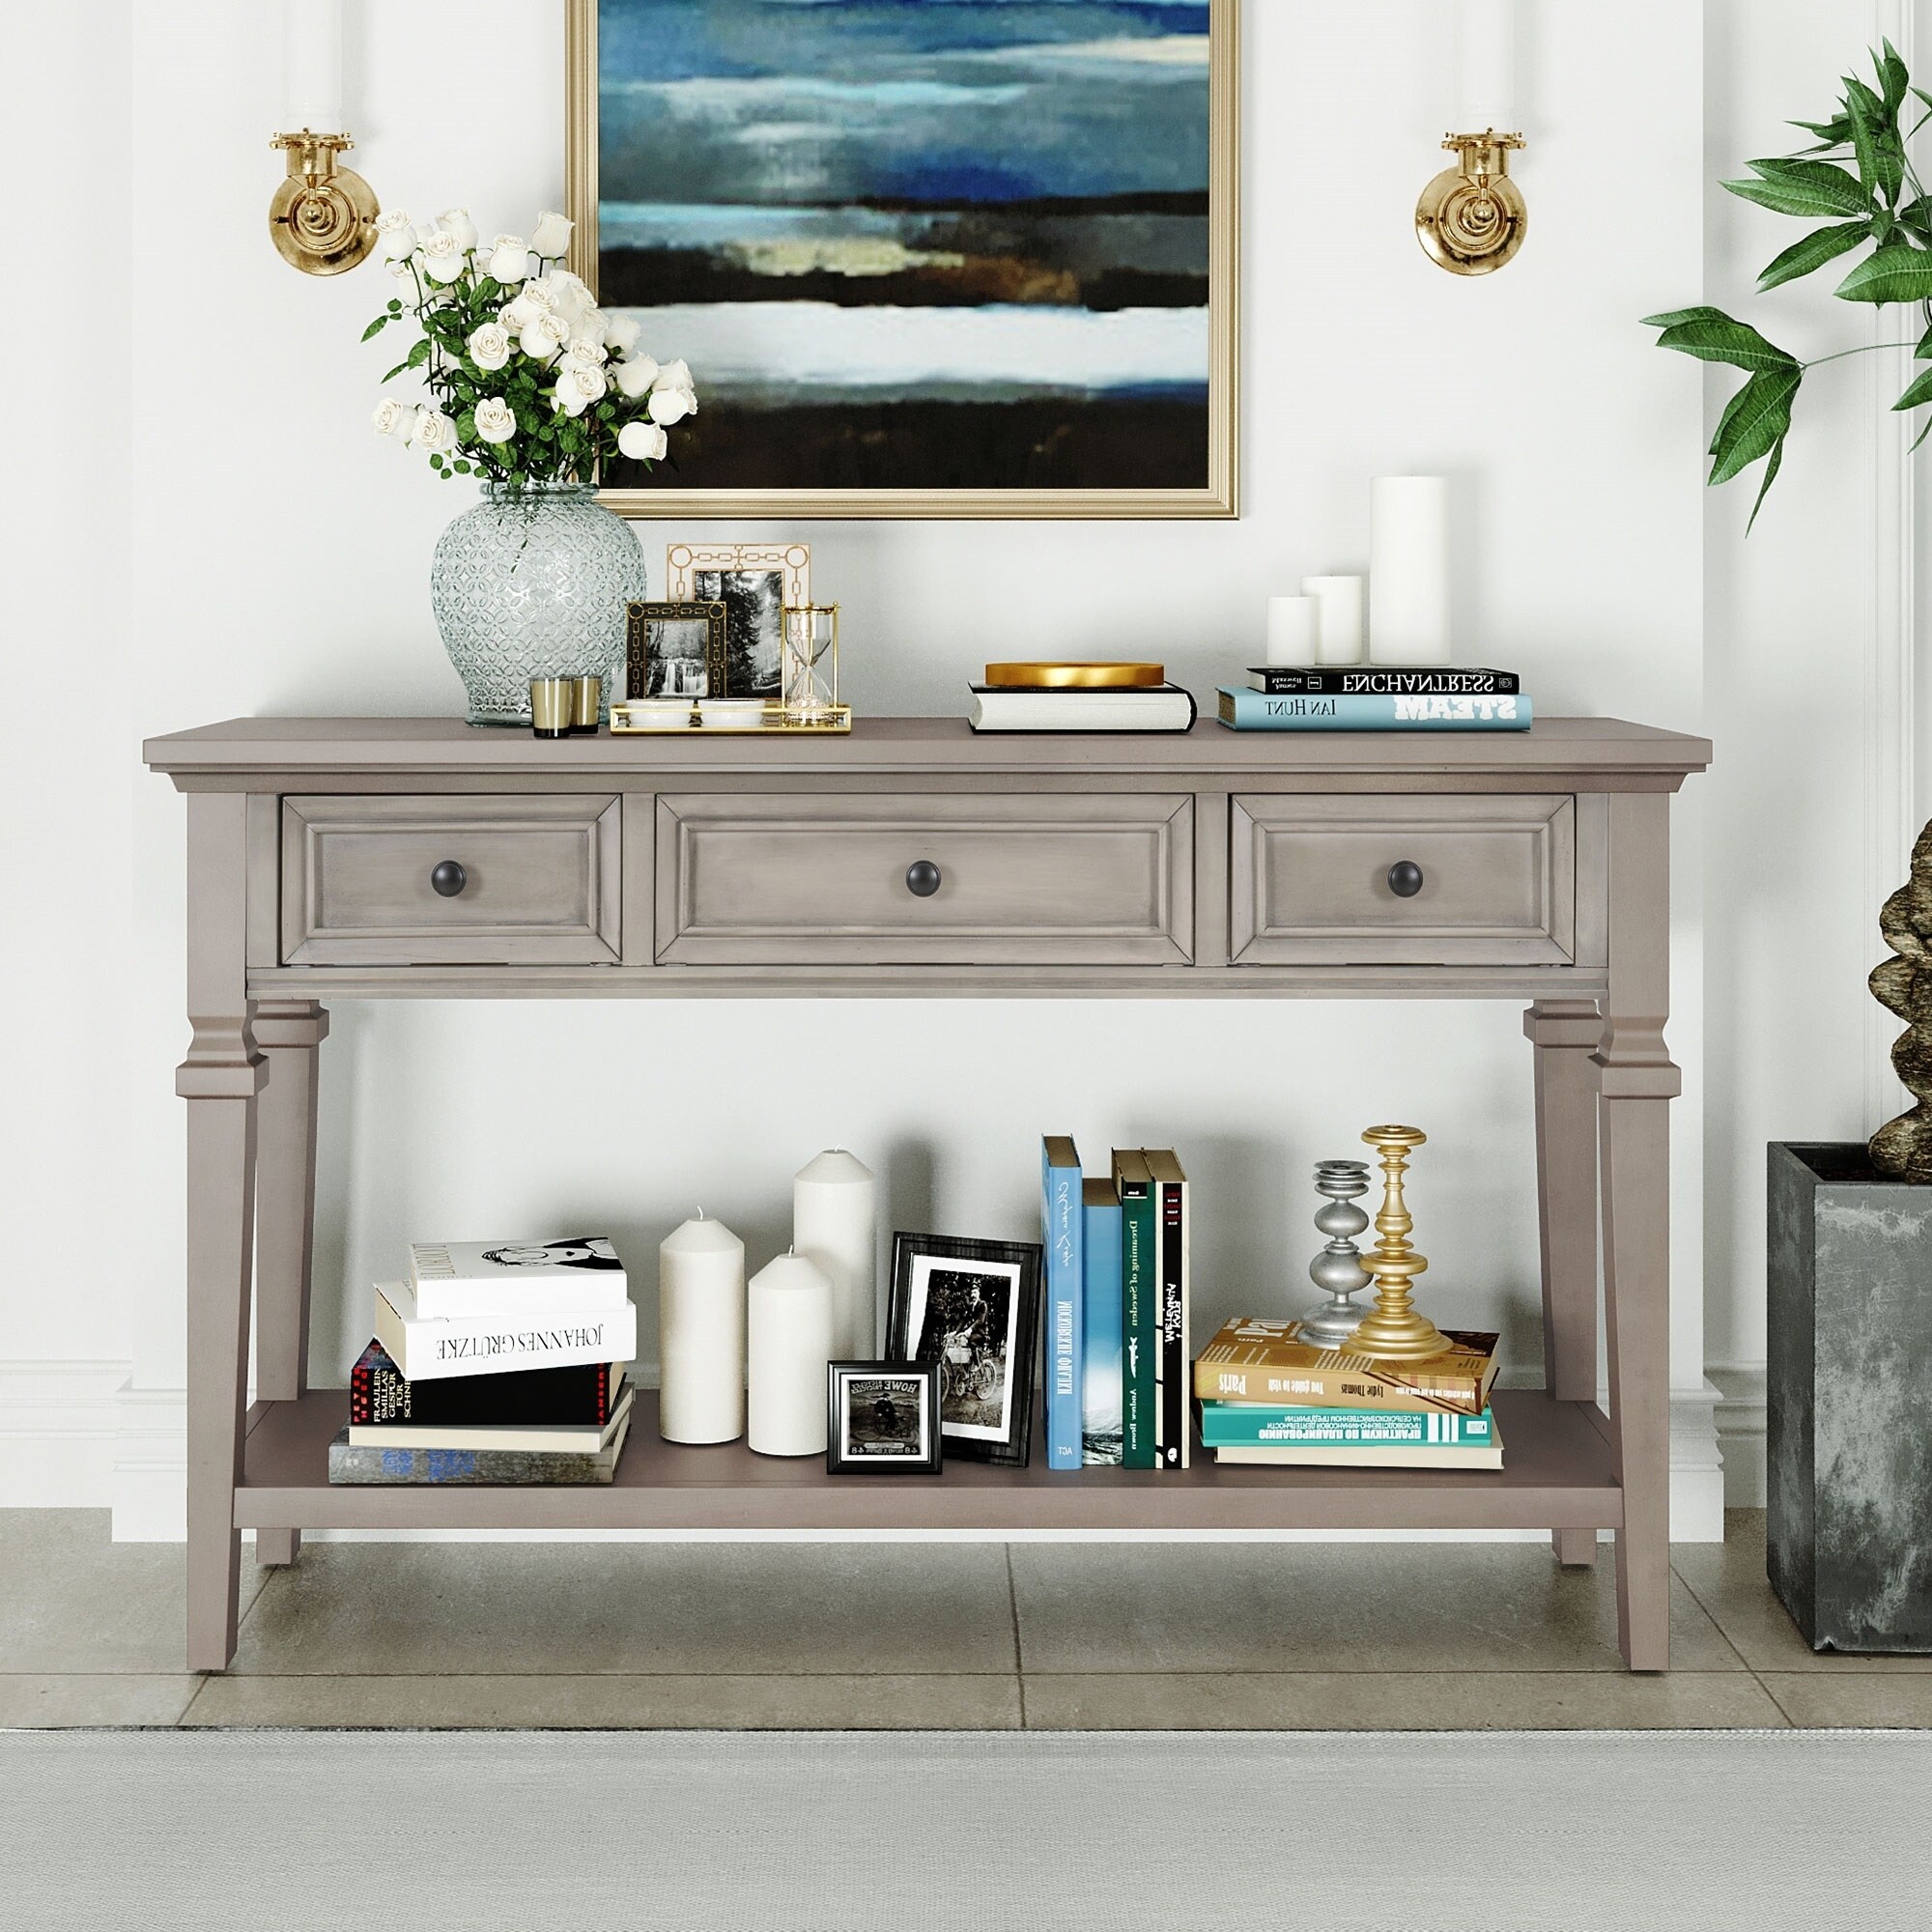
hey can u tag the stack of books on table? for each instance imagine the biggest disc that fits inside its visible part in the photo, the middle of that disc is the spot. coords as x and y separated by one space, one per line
494 1362
1267 1397
1117 1309
1376 697
1080 697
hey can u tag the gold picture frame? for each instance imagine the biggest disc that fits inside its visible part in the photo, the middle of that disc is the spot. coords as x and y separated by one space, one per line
753 610
1218 495
639 616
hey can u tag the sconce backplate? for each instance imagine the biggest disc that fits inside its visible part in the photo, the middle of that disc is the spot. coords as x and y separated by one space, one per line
1472 218
323 217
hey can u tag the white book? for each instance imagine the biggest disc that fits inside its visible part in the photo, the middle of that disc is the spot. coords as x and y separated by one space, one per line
483 1345
460 1278
534 1438
1014 708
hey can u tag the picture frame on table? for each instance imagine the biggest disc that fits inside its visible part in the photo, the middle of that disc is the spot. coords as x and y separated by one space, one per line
674 649
755 583
882 1418
972 1309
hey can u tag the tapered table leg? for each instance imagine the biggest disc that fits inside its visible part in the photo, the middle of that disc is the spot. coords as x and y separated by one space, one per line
220 1079
1566 1033
290 1033
1636 1084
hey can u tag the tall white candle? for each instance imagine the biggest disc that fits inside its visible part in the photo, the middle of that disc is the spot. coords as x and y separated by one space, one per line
701 1333
835 1223
1292 629
1338 623
1409 570
790 1335
312 50
1486 67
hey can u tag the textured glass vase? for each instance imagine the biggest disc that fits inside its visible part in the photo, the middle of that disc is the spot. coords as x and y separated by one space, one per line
532 582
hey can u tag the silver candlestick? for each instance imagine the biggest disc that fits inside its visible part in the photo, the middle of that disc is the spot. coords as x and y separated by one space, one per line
1337 1267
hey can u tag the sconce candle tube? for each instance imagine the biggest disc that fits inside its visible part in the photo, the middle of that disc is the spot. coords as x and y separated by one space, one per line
1487 65
312 50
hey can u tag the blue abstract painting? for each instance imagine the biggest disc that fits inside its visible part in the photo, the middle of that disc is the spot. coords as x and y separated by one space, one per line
916 245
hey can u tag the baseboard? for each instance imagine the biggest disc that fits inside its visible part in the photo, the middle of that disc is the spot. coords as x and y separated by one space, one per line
1696 1466
58 1423
1741 1433
150 1489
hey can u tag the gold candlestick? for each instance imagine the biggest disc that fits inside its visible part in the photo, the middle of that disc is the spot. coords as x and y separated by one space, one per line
1393 1329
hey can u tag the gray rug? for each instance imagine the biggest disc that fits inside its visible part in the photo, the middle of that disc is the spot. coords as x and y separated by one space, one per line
927 1832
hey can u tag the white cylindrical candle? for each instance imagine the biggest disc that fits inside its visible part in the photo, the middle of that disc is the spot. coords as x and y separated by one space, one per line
835 1223
701 1333
1292 629
1338 621
1409 570
1486 67
790 1338
312 50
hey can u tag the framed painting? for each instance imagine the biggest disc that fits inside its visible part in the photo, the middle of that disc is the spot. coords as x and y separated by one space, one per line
965 260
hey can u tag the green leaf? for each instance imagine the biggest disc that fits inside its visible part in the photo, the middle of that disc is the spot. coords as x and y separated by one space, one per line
1897 272
1758 419
1821 246
1833 134
417 355
376 327
395 307
1771 471
395 372
1892 76
1803 187
1918 392
1923 353
463 465
1874 140
1714 337
1670 318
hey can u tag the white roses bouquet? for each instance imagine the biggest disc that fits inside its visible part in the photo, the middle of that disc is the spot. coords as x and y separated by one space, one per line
529 381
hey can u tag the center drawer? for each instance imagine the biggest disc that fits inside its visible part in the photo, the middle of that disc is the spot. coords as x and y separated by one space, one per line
1010 880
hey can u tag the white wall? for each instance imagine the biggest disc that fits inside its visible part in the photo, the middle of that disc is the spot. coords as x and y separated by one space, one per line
277 559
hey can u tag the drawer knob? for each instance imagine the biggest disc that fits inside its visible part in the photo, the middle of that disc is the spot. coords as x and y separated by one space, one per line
449 878
922 878
1405 878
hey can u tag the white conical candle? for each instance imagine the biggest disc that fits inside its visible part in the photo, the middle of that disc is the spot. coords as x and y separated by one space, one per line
790 1335
701 1333
835 1223
1409 570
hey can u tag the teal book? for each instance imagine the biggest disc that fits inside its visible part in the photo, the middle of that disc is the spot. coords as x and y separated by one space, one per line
1254 1425
1103 1404
1257 711
1140 1309
1063 1232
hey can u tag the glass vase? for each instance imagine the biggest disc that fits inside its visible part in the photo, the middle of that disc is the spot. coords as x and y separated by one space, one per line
533 581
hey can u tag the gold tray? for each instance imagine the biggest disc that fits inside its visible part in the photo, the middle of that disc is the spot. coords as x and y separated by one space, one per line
834 721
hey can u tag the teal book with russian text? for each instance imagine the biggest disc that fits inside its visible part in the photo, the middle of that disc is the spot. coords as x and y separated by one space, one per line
1256 1425
1062 1230
1102 1395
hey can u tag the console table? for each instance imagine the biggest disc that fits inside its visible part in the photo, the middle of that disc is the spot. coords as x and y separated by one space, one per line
417 858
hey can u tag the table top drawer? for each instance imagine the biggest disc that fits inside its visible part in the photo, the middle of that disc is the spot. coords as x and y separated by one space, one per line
407 881
950 878
1425 880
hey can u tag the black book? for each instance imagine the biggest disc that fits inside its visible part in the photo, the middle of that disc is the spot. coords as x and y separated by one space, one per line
584 1395
1383 681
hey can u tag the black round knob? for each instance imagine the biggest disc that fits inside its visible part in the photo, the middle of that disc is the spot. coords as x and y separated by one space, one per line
1405 878
922 878
449 878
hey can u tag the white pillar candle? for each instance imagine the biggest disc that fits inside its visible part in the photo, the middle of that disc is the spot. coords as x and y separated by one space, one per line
1292 629
312 50
701 1333
1338 621
1486 67
790 1332
1409 570
835 1223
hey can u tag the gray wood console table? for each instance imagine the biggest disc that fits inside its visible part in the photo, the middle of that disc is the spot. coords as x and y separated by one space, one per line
397 858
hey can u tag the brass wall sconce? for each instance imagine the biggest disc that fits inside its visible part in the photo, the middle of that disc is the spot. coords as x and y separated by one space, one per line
1471 219
323 217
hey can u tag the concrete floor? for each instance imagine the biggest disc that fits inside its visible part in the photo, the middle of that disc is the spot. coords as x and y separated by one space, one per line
1288 1636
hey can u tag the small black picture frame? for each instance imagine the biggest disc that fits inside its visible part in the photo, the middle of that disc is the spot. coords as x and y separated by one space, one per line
882 1418
970 1309
675 650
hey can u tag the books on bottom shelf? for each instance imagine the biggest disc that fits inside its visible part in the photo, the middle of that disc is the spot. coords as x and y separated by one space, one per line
350 1462
1255 1432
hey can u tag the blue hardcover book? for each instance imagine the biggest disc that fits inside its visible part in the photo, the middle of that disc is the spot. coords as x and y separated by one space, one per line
1102 1411
1254 1425
1255 711
1063 1232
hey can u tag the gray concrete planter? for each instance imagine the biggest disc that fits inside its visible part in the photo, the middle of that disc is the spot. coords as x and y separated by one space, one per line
1849 1400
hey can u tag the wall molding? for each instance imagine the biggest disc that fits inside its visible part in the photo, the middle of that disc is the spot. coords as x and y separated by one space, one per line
1741 1433
59 1421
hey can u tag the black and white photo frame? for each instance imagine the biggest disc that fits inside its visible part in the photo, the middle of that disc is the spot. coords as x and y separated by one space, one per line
883 1418
972 1310
674 649
755 583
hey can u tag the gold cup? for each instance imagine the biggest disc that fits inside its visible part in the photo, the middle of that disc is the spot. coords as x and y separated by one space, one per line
587 700
553 705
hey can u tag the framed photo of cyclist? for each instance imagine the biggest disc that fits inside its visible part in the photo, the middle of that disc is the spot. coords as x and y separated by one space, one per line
972 1309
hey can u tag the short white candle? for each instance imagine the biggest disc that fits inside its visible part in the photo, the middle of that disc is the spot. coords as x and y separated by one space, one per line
701 1333
790 1335
1292 629
312 49
835 1223
1339 636
1409 570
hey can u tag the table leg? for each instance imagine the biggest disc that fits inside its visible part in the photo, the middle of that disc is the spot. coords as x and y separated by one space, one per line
1565 1034
1637 1081
290 1033
220 1079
